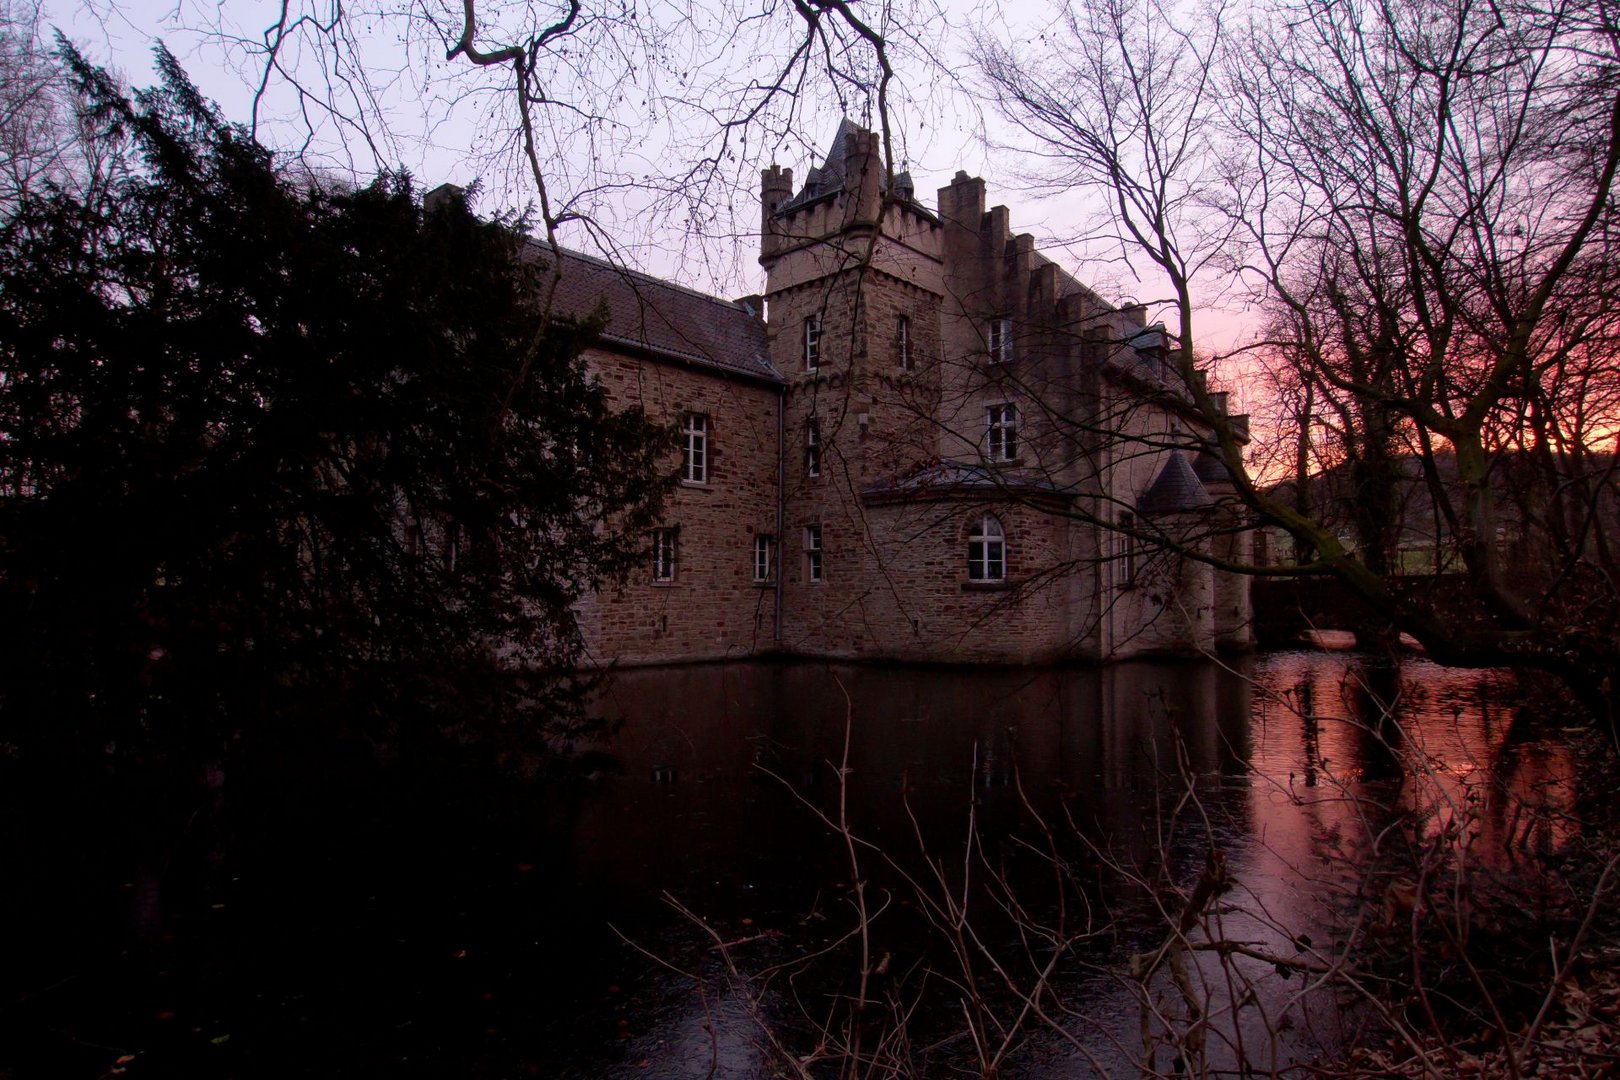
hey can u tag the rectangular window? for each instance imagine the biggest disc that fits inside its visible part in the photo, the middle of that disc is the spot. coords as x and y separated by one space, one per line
415 544
695 435
812 553
764 556
1000 340
1127 549
812 447
812 342
987 551
902 341
663 554
1001 432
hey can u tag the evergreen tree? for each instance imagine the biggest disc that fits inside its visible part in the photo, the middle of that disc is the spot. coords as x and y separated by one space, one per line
270 450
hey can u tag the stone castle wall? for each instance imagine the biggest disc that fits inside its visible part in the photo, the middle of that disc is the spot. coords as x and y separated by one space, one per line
712 608
901 467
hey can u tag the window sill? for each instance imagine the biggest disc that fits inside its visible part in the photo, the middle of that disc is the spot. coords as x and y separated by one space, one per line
764 584
1007 463
986 586
665 584
697 485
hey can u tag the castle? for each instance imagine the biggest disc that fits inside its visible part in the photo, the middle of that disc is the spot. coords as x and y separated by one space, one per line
925 442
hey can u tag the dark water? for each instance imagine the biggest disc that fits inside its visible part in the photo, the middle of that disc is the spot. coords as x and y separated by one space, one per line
370 911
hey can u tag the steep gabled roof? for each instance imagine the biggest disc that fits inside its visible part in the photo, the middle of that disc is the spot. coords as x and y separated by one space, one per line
1176 490
666 319
829 178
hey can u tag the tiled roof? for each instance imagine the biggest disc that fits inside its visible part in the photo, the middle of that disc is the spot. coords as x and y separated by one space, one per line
1176 490
1211 469
667 319
1149 337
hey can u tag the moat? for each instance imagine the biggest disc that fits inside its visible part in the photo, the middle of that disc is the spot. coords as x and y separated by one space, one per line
330 916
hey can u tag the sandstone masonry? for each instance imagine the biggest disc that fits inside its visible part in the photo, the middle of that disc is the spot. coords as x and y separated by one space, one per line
925 442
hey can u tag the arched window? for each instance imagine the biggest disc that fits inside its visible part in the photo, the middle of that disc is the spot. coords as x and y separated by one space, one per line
987 551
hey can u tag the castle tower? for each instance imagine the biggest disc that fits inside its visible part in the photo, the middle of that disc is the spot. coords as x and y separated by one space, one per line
853 289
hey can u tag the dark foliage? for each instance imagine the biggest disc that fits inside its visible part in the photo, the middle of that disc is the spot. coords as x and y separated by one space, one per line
272 451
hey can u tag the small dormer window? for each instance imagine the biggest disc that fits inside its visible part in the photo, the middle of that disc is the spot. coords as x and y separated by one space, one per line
1000 340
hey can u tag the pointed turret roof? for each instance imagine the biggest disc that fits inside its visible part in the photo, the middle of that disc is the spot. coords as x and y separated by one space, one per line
1211 469
829 178
1176 490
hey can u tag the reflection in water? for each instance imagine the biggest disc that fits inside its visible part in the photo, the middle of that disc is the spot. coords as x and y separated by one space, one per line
1328 736
1421 738
932 755
461 928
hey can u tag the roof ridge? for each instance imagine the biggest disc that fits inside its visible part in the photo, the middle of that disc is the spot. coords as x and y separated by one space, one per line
642 275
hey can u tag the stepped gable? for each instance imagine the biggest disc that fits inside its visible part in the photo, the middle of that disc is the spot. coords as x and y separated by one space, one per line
1067 284
668 320
829 178
1176 490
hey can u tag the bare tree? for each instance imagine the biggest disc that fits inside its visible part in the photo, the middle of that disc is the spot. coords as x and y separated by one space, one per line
41 137
1423 194
1116 98
607 116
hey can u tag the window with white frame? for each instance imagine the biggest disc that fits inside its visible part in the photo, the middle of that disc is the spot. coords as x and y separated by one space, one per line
1000 341
695 446
1127 549
764 557
902 341
1001 432
812 342
812 553
987 550
812 447
663 552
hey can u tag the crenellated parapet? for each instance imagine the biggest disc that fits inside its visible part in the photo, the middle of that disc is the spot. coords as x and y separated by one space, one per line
846 216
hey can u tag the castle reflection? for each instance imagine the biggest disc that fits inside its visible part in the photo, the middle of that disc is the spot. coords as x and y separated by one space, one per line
1295 763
